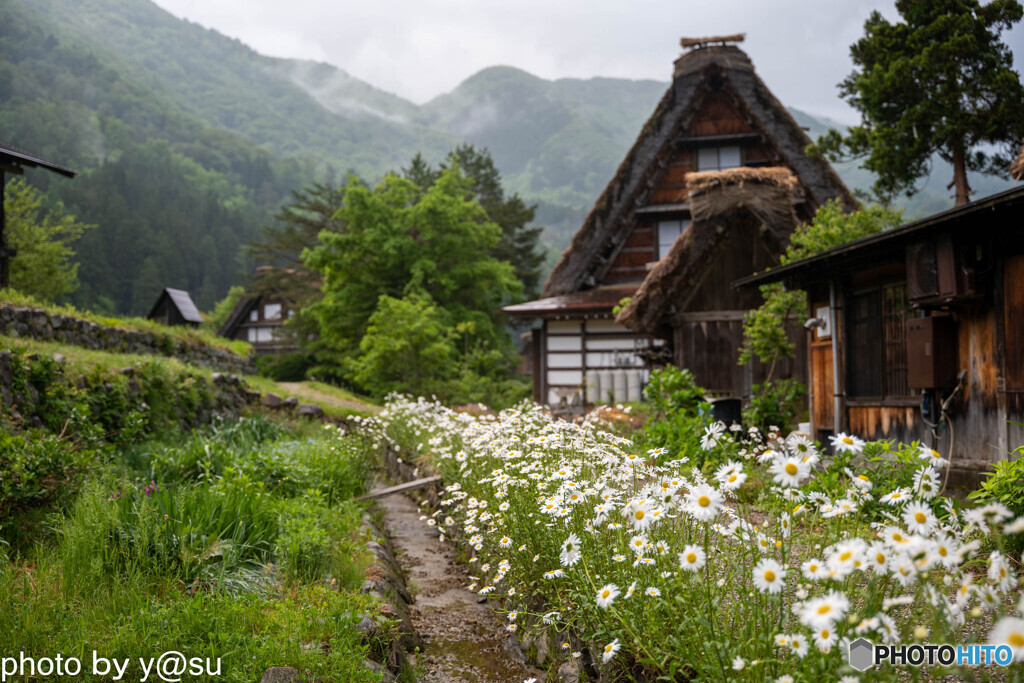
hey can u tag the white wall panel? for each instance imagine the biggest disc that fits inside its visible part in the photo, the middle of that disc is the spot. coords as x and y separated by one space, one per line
615 344
565 343
565 360
565 377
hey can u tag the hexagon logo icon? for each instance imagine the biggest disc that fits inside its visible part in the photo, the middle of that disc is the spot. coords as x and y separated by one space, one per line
862 654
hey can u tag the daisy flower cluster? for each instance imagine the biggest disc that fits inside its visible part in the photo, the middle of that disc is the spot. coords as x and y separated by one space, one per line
573 529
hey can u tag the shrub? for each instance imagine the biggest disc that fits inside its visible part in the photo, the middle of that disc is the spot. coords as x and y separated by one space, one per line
779 404
1005 485
290 367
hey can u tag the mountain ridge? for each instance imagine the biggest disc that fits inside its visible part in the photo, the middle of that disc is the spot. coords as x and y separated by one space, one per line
138 98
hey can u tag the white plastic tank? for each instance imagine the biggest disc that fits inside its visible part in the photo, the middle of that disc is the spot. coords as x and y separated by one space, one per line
606 384
634 381
594 387
619 377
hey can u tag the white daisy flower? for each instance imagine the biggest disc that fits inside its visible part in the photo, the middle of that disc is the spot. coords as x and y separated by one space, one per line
769 576
845 443
931 456
606 596
692 558
610 649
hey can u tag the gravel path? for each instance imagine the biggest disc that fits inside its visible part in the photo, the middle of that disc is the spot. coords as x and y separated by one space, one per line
464 639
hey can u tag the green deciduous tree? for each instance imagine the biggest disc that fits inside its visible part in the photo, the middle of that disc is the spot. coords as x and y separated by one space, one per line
402 242
939 81
518 243
43 266
406 348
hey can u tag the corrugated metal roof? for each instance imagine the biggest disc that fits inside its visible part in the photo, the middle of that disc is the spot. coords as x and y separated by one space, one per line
22 158
600 300
185 305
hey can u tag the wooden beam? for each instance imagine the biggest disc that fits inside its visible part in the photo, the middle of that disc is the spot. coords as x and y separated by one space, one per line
408 486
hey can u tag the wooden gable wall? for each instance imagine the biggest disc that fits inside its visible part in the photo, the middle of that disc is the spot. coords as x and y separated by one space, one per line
719 114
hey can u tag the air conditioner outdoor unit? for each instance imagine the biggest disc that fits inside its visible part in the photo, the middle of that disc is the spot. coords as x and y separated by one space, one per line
937 272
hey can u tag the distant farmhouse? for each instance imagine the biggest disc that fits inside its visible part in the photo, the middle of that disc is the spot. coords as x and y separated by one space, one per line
709 192
920 329
260 321
175 307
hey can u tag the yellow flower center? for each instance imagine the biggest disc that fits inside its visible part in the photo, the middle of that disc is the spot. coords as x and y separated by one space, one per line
813 568
605 593
897 537
769 576
1016 639
791 469
732 478
824 633
703 501
880 558
639 514
824 609
691 558
920 517
862 477
935 454
845 556
848 440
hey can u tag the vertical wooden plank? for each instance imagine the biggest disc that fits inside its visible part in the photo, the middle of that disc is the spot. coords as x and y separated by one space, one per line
536 352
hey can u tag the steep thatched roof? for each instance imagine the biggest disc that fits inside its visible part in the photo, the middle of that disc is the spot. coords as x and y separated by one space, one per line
719 201
1017 167
697 73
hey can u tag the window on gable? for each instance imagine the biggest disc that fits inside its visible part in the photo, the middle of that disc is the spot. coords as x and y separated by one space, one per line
272 312
254 315
718 158
877 348
668 231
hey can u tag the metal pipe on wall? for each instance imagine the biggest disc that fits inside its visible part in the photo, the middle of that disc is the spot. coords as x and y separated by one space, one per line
836 402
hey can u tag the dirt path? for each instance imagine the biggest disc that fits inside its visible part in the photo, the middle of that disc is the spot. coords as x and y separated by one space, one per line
464 639
307 392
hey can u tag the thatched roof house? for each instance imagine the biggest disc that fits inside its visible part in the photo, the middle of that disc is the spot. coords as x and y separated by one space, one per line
717 115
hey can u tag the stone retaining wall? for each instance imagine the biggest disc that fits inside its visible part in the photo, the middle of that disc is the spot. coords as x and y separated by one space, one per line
34 323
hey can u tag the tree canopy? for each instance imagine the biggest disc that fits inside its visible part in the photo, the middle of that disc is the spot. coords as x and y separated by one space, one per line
518 242
42 265
940 81
409 248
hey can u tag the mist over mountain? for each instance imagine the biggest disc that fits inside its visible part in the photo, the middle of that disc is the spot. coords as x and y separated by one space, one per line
188 140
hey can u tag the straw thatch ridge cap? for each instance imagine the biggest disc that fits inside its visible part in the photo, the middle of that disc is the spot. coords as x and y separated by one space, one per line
767 175
1017 167
701 42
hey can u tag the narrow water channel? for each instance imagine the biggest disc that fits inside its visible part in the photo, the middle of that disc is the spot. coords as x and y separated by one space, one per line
464 640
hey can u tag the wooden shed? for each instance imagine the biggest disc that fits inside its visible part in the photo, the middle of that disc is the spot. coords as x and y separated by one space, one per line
716 115
918 332
741 222
175 307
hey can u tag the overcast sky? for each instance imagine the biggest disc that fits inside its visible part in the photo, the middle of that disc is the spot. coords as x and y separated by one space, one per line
422 48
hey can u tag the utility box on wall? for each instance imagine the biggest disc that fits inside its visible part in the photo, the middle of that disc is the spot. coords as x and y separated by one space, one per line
931 353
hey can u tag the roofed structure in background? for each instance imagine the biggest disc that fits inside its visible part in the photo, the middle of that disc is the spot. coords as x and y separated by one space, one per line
716 115
15 161
175 307
260 319
924 322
